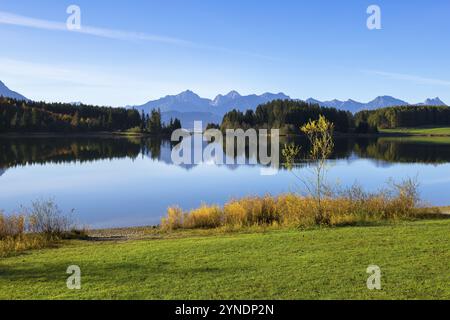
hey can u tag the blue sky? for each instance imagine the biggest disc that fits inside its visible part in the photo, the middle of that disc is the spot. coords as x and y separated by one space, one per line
149 49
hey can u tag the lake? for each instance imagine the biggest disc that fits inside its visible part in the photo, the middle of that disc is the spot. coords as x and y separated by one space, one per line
122 181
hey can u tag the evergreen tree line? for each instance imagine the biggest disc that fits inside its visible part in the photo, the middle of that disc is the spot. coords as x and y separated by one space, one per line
405 117
152 123
288 115
30 116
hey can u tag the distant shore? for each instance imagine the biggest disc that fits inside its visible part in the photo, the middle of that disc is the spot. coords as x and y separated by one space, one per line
398 132
101 134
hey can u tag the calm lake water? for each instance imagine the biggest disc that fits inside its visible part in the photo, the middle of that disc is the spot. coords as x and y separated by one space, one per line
119 182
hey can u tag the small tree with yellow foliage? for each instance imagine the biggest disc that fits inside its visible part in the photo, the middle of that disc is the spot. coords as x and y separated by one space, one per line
320 135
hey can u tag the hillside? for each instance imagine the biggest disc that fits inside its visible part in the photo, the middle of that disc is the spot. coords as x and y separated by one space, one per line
6 92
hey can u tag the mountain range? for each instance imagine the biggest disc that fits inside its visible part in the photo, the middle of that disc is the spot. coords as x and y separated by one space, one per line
6 92
189 107
379 102
189 101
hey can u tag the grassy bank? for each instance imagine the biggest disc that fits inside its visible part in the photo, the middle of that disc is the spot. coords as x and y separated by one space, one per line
419 131
277 264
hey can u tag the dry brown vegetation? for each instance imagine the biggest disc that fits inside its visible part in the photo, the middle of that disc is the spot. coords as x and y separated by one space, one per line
40 226
351 206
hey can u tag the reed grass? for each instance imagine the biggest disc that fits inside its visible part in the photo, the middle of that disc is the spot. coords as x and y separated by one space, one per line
351 206
41 226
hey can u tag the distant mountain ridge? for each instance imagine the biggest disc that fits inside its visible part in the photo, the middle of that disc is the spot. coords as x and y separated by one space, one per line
377 103
8 93
188 106
188 101
432 102
233 100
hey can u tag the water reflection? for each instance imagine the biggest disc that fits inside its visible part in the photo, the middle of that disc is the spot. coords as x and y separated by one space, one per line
56 150
118 181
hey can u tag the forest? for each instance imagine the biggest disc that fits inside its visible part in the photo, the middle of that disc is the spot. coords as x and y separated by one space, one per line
17 116
288 115
27 116
405 117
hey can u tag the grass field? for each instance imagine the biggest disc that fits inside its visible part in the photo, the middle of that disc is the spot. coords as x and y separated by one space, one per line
279 264
432 131
416 139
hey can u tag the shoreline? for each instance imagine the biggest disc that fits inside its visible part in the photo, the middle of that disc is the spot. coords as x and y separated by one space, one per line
155 232
100 134
147 135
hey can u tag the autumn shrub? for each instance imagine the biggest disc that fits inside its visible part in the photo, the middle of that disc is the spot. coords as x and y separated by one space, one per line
251 211
45 217
348 206
13 245
173 220
11 226
295 210
40 226
205 217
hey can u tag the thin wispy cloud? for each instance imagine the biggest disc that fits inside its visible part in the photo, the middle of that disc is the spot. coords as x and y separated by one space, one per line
18 20
62 74
23 21
409 77
68 79
84 82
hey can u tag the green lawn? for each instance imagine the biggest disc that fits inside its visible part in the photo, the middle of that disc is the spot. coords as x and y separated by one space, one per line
438 131
429 140
283 264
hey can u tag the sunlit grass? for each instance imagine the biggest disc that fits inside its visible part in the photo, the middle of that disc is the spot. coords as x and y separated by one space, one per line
444 131
316 263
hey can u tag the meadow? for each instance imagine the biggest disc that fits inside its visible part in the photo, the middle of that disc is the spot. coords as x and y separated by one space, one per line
318 263
423 131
